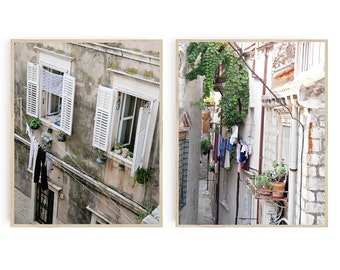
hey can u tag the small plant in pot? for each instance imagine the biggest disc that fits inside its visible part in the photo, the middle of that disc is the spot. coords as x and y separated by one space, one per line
130 155
263 183
61 137
279 178
118 148
34 123
102 157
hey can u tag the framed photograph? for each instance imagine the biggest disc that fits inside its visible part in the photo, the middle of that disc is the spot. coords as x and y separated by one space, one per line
86 138
252 132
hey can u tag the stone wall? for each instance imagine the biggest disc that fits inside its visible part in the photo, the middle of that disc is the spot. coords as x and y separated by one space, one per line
313 203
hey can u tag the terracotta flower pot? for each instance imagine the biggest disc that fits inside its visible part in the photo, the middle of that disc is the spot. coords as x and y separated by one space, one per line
278 190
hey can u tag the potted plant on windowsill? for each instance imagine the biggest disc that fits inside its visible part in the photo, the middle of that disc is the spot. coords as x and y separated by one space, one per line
118 148
102 157
61 137
34 123
279 178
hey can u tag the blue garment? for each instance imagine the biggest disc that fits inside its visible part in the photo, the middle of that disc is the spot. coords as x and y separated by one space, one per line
229 145
222 151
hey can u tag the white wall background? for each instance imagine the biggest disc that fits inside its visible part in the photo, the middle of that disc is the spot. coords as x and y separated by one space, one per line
169 246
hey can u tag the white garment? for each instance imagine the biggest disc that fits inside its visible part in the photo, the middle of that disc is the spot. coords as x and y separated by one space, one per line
238 152
234 134
227 160
33 149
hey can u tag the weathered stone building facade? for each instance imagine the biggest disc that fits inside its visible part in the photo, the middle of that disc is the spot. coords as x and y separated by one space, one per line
189 137
286 121
97 94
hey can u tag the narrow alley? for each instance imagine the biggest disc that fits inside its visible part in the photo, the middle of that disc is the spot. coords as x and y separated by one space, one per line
205 216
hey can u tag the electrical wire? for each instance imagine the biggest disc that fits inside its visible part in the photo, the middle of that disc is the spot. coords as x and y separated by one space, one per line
238 51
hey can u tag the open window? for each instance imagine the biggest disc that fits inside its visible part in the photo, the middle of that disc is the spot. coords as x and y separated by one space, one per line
128 119
50 93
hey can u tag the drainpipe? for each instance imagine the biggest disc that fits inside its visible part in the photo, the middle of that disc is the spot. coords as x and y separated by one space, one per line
262 124
263 111
293 160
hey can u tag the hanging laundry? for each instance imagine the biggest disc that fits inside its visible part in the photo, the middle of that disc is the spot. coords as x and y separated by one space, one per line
216 146
234 135
229 145
227 160
34 145
223 151
40 170
238 152
243 152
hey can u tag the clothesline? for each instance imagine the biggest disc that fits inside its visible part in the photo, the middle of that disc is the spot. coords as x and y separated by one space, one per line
223 147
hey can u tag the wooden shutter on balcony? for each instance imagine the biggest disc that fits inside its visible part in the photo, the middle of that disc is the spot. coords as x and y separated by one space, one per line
32 94
103 116
67 103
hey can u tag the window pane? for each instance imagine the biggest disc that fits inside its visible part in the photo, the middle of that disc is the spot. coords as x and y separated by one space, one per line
130 103
54 104
126 131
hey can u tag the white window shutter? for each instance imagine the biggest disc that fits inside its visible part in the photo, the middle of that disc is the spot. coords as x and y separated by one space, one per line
32 95
139 160
66 117
103 116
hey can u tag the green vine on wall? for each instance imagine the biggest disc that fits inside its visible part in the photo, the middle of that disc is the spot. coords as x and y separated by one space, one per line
203 59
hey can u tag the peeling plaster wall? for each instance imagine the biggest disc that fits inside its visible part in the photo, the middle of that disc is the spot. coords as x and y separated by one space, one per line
90 69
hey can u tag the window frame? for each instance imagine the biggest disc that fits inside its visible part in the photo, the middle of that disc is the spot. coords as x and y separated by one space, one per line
36 97
310 59
106 141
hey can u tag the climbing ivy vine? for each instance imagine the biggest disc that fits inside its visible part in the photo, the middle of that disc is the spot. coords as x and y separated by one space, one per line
203 59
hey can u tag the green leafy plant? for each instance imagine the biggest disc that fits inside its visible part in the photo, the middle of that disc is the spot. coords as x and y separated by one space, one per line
142 175
34 123
263 180
205 146
118 146
61 136
102 156
279 172
220 65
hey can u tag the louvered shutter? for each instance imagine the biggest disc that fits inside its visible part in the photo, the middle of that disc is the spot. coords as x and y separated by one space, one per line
66 116
104 113
32 94
139 160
